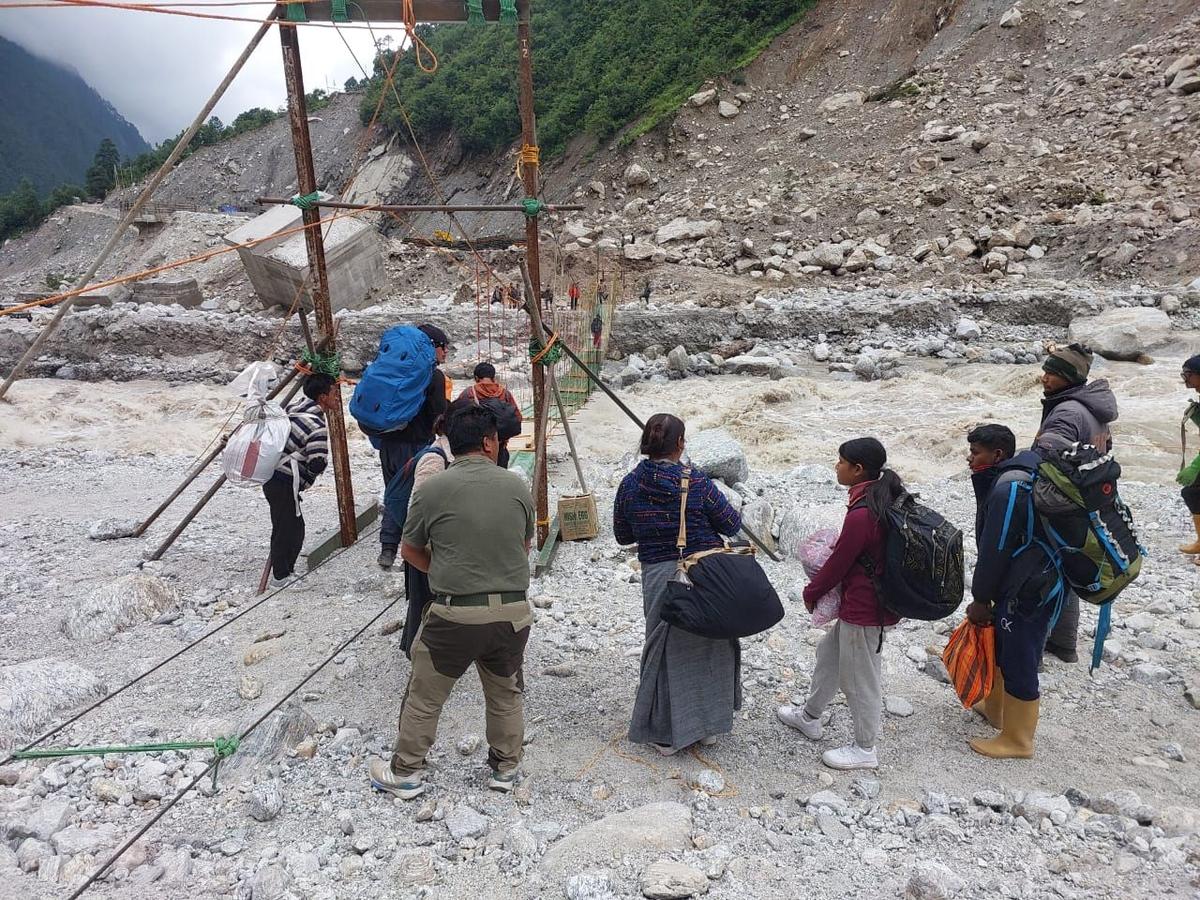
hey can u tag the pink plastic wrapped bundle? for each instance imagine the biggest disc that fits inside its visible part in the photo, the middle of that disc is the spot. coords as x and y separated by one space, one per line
815 550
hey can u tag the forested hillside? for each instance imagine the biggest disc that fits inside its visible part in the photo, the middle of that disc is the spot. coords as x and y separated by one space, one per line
598 65
51 122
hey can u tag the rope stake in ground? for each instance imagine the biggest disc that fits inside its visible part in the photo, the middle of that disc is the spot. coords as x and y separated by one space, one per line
212 766
174 656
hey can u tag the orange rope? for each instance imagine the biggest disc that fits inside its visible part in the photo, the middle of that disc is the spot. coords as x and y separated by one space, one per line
166 267
409 17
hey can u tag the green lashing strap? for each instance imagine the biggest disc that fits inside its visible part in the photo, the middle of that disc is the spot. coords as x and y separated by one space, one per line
306 201
475 12
295 12
533 207
508 12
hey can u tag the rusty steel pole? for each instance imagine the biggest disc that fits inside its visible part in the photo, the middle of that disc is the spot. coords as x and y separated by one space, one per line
529 177
306 179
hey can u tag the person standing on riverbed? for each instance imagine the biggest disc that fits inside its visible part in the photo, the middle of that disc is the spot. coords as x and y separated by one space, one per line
1016 588
689 686
1189 475
1074 410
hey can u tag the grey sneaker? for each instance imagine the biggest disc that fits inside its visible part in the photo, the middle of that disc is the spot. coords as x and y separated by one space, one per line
387 557
503 781
406 787
796 717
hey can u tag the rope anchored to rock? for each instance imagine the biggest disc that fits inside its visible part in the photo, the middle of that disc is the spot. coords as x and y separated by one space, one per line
222 748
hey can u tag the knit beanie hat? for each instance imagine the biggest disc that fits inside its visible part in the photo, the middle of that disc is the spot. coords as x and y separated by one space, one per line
1192 364
436 335
1072 363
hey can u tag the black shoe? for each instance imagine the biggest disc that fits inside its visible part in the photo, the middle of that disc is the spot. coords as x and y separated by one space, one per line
387 557
1066 654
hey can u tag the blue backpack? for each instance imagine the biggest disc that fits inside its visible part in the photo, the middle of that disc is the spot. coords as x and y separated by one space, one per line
399 490
392 390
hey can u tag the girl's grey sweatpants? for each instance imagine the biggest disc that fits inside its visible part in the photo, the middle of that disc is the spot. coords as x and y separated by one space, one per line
847 658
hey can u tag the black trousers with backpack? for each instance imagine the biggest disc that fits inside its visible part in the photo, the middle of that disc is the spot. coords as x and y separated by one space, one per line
287 528
394 456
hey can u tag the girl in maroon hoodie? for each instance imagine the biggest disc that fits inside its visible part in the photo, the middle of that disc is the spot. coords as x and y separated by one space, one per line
848 656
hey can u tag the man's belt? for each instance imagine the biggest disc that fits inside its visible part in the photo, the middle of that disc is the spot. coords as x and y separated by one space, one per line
482 599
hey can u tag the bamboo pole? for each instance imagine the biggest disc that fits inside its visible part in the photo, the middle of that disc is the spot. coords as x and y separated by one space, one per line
306 178
411 207
143 198
529 178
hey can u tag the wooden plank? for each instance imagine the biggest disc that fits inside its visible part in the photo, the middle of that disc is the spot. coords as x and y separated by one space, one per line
546 554
333 543
378 12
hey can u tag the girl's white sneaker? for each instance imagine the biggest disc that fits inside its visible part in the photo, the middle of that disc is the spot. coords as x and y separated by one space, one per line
796 717
851 757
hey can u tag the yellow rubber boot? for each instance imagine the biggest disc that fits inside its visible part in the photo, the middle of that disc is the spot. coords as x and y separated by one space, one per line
1015 740
991 707
1193 548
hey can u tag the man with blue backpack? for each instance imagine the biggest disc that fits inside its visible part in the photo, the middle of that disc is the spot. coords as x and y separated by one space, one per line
396 403
1016 587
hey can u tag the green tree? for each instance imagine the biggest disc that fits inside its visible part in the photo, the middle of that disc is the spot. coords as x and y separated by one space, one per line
599 68
101 176
350 85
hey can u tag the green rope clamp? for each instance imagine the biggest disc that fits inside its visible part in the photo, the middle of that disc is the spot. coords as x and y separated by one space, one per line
322 363
533 207
295 13
475 12
223 748
508 12
306 201
339 11
552 356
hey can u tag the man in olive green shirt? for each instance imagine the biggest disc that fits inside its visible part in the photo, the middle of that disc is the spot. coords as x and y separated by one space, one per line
470 528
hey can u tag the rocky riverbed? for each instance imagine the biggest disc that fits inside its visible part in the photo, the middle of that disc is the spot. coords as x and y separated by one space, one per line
1106 809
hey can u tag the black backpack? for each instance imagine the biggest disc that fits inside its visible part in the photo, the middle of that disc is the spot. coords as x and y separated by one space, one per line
399 490
922 575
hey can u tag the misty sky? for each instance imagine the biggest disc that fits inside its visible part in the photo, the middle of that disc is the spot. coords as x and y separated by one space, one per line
157 70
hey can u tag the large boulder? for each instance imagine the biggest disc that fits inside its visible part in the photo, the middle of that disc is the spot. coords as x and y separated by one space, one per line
33 693
838 102
798 522
655 826
1125 334
719 454
682 229
119 605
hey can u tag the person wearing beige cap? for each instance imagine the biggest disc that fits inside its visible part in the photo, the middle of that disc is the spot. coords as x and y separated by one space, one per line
1074 410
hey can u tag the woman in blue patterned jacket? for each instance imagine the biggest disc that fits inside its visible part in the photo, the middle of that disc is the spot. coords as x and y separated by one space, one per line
690 686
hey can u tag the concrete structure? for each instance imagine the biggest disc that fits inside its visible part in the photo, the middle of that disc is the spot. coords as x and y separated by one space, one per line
277 267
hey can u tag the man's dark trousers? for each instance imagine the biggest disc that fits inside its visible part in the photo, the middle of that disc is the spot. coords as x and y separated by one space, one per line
287 528
394 456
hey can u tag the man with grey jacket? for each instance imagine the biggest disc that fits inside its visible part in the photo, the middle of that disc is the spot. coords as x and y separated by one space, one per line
1074 410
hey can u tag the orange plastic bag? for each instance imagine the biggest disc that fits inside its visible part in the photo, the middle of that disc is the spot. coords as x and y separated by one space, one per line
970 658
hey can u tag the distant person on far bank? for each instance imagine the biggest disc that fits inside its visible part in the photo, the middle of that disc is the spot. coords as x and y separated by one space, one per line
470 528
1074 410
573 294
